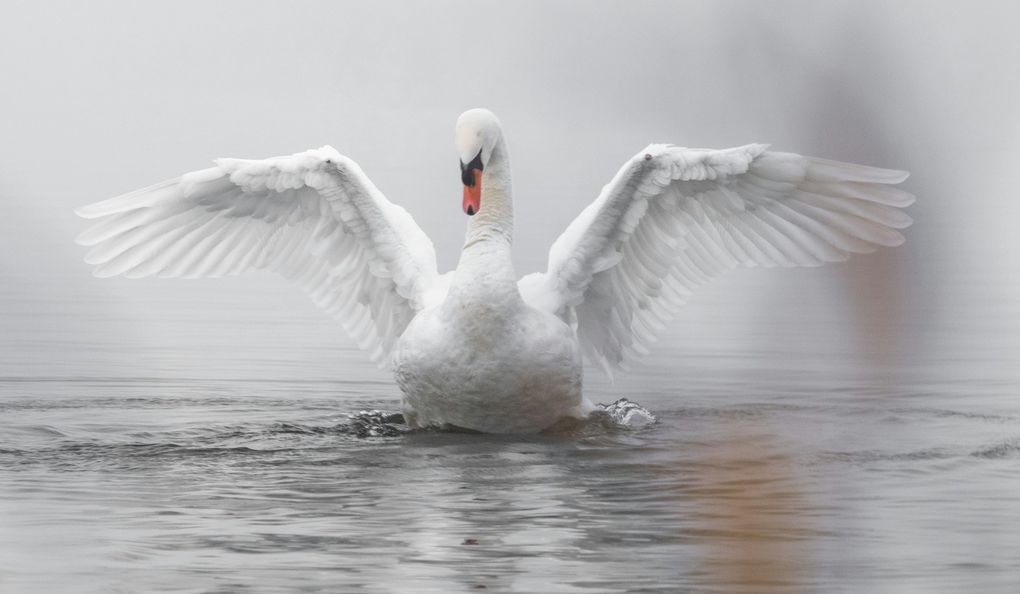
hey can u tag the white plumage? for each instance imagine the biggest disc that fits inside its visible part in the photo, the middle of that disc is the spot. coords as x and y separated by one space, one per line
674 217
476 348
314 217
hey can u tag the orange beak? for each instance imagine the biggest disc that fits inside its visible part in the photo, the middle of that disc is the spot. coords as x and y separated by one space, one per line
473 194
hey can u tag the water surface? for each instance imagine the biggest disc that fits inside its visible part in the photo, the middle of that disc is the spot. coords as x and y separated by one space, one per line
201 443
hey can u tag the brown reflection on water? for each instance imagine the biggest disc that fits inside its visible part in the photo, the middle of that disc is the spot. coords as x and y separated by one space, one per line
878 299
754 518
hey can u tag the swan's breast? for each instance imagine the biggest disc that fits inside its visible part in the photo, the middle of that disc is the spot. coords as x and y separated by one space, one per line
517 370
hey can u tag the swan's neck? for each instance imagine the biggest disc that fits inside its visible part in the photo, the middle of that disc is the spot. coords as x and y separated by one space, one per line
485 268
495 217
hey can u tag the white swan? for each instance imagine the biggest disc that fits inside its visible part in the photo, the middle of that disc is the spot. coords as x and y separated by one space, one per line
477 348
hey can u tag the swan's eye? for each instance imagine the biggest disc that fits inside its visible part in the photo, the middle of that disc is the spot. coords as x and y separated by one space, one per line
329 161
648 157
465 170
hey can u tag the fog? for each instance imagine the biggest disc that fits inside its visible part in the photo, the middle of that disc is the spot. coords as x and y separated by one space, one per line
107 97
853 427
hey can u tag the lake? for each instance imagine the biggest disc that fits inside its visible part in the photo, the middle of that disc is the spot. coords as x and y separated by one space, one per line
810 437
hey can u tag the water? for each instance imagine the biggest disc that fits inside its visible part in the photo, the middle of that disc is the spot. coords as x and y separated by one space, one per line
200 441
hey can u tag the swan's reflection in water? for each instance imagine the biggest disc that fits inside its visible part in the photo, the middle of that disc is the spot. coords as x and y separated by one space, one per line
488 511
232 492
562 513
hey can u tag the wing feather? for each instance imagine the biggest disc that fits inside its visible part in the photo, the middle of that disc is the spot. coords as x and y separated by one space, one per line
673 218
313 217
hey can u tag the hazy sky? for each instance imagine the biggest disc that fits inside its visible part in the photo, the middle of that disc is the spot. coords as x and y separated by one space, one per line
104 97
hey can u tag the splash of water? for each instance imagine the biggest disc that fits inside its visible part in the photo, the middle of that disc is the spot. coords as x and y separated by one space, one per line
378 423
626 413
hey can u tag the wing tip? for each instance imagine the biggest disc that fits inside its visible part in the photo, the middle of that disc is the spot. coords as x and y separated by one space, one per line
897 176
90 211
903 221
896 239
102 272
905 198
826 170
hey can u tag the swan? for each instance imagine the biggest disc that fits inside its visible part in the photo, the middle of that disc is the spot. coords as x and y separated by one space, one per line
479 348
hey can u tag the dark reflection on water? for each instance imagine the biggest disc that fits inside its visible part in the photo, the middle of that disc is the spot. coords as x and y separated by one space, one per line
774 466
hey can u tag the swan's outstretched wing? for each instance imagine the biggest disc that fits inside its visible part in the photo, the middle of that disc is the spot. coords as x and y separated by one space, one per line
314 217
674 217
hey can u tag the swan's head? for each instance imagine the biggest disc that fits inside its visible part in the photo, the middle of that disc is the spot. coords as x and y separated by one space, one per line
477 133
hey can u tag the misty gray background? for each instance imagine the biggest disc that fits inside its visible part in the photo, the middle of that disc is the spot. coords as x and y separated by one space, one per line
105 97
850 427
